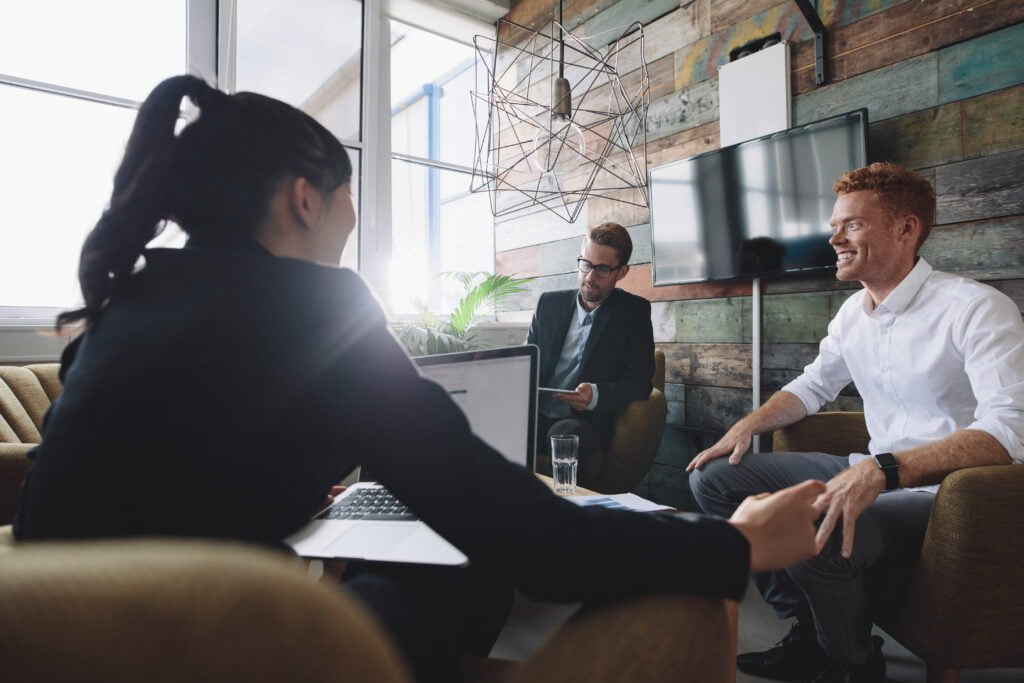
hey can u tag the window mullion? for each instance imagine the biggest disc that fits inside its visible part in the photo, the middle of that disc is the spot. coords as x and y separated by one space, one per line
375 223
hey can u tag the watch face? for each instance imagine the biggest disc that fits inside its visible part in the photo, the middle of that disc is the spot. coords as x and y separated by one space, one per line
891 468
886 461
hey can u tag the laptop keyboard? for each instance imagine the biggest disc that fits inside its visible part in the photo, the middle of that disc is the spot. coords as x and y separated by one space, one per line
374 504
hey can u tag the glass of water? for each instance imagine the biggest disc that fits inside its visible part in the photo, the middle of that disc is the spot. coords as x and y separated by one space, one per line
564 461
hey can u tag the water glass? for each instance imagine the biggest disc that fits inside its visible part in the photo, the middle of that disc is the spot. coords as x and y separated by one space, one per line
564 461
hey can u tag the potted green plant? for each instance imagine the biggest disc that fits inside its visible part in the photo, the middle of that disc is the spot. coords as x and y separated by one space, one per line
483 294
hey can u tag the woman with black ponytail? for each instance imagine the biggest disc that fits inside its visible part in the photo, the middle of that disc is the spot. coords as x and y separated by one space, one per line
219 390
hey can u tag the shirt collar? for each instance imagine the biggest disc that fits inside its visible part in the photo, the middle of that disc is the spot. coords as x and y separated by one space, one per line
905 291
581 312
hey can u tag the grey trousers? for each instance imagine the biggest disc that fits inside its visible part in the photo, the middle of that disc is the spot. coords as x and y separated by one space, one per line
828 588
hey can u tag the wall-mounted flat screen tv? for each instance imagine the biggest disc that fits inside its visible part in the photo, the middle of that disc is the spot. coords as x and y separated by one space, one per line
755 209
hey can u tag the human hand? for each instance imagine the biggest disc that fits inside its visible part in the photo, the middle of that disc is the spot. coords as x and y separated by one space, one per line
336 491
735 443
847 495
780 525
580 398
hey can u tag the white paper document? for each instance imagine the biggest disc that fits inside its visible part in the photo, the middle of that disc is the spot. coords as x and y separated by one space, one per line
618 501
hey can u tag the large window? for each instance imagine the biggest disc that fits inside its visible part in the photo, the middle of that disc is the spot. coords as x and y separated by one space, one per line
312 60
71 74
437 224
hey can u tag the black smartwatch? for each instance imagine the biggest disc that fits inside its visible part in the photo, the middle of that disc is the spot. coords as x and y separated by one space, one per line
887 463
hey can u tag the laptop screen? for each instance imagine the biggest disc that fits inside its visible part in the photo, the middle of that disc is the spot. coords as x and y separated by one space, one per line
497 391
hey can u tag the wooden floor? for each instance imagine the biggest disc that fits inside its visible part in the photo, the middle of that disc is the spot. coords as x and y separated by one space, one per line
532 622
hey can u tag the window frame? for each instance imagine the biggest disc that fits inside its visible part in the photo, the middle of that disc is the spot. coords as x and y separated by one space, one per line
201 35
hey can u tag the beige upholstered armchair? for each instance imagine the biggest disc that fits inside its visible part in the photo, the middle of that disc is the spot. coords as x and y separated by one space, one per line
25 395
964 607
636 437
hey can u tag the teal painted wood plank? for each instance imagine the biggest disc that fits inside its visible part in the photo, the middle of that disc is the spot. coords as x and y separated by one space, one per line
641 237
891 91
984 64
684 109
773 380
558 257
1011 288
713 320
679 445
674 392
676 413
669 486
988 187
611 24
789 356
796 317
715 408
838 298
994 123
527 300
807 283
842 12
921 139
983 250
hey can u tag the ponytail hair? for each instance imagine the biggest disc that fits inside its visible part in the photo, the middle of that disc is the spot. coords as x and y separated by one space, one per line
214 179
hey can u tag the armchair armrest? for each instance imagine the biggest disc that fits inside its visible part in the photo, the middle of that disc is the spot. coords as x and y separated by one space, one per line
838 433
14 465
966 604
634 444
163 611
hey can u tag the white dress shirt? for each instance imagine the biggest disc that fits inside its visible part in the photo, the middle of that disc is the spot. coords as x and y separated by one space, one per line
941 353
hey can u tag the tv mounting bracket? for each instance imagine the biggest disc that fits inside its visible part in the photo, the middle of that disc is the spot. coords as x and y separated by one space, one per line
810 13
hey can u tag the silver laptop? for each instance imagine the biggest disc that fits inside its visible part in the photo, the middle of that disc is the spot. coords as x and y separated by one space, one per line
497 391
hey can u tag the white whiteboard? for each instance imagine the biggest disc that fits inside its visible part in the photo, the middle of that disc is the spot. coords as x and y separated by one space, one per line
753 95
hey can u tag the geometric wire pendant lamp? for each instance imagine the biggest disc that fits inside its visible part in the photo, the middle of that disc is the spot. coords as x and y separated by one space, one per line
556 121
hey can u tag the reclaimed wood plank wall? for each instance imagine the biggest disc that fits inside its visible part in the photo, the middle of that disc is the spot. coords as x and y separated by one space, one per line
943 82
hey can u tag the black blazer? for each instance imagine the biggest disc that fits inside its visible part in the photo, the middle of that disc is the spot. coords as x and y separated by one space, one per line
618 357
221 393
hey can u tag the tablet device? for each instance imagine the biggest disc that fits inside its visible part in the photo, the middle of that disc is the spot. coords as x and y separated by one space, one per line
552 390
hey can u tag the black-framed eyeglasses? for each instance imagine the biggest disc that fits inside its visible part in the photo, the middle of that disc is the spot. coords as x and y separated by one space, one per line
602 270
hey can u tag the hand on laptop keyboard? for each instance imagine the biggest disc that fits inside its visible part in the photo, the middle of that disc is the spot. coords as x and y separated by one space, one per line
374 504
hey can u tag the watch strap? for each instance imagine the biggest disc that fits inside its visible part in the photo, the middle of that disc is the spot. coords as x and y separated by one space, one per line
890 468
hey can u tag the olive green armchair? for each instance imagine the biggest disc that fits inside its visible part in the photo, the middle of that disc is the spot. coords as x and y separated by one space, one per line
635 438
963 605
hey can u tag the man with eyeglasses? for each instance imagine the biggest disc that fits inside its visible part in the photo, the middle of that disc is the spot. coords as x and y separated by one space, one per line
597 343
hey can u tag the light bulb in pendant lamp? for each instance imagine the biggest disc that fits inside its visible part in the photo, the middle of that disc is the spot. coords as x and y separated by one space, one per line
560 147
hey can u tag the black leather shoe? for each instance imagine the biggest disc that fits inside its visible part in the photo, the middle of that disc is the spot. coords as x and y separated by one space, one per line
796 658
871 671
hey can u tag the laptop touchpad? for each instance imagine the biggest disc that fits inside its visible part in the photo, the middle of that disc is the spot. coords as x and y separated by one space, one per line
371 540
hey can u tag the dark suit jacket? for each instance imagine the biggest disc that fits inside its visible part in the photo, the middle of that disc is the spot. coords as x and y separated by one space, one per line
221 393
618 357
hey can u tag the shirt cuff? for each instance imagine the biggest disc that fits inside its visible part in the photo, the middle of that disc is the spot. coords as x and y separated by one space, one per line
593 401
